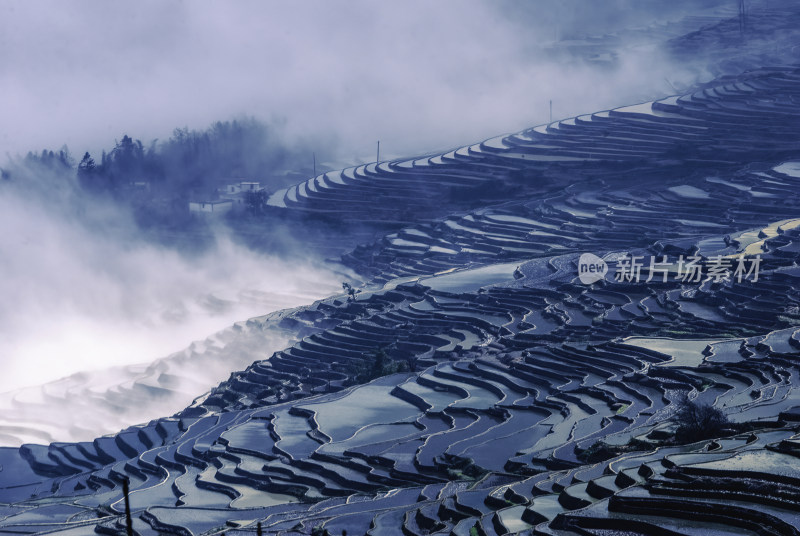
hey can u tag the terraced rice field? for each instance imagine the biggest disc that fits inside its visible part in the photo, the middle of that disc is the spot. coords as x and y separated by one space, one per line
473 384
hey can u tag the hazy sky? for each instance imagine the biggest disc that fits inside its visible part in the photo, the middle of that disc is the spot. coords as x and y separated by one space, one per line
417 75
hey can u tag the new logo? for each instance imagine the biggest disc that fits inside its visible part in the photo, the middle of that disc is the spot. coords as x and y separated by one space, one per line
591 268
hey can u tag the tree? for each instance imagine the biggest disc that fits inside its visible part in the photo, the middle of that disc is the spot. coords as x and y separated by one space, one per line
50 159
377 364
125 162
87 171
699 421
256 202
380 363
351 292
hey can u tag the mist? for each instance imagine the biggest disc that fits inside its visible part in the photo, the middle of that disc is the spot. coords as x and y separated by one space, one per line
84 289
98 320
416 75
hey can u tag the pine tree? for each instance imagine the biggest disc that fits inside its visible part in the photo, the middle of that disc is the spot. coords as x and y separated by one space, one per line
87 171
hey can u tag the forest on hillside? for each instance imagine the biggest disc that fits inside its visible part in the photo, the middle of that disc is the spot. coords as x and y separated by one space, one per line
157 179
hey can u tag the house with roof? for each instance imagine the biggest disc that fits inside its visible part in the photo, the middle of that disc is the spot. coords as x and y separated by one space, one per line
220 206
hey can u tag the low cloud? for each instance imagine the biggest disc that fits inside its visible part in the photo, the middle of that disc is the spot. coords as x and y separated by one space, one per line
416 75
82 289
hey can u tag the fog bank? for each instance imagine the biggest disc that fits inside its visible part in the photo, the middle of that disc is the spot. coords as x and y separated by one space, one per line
83 290
416 75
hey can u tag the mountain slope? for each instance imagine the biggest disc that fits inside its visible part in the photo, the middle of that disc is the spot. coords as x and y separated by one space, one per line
474 383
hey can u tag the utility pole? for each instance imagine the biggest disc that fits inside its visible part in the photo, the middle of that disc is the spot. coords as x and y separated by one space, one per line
128 520
551 110
314 157
378 156
742 16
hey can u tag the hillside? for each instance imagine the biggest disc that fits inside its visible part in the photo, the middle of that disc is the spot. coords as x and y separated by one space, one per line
474 382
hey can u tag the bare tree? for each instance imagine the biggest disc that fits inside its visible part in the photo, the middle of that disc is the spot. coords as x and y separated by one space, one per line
699 421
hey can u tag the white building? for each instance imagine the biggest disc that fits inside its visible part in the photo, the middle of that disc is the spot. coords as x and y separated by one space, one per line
237 192
211 207
241 187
